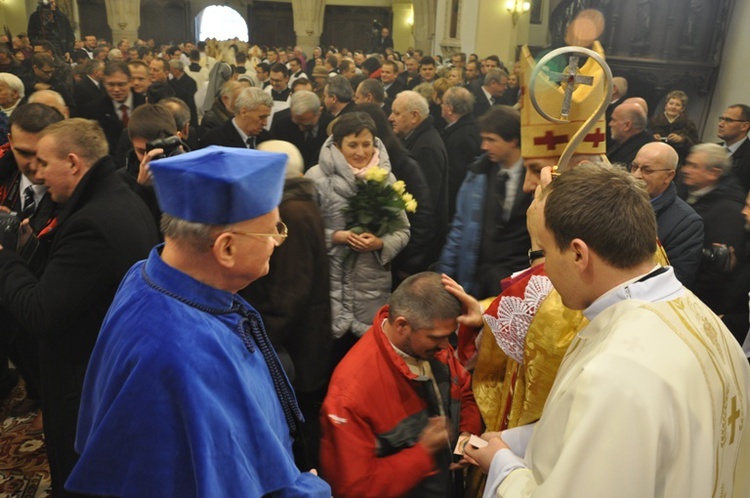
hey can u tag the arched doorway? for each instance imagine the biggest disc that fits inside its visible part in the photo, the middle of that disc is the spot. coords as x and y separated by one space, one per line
220 22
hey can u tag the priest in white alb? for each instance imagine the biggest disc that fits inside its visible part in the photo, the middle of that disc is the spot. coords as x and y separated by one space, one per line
651 398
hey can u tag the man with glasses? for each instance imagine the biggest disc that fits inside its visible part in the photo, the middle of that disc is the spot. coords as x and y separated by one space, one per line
680 229
709 187
44 78
180 342
734 125
114 109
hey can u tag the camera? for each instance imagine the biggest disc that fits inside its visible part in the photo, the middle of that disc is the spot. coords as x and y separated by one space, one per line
10 225
170 145
664 139
718 258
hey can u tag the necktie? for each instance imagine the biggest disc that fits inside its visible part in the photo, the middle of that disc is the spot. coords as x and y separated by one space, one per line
250 142
125 118
252 329
492 100
29 204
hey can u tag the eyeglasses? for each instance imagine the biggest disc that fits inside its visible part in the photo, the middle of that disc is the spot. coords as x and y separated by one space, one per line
722 119
282 232
116 85
646 170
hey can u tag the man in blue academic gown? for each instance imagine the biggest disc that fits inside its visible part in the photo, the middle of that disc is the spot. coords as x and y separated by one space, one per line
184 395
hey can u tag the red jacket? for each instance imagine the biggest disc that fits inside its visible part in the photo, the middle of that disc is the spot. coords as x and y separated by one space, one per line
373 415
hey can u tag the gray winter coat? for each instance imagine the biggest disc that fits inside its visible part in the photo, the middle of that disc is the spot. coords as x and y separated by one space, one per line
357 290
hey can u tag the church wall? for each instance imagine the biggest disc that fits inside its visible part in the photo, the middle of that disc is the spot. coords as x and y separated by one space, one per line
731 85
403 20
13 14
495 33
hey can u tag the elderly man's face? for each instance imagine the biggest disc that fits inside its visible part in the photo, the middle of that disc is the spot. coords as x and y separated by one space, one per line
306 121
619 125
403 122
411 65
253 251
8 97
696 174
253 121
650 166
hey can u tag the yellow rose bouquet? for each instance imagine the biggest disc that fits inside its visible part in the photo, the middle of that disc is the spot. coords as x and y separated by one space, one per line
376 206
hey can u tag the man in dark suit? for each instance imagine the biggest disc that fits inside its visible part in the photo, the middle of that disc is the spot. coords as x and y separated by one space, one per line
461 139
412 123
385 41
102 230
112 111
628 131
337 96
734 125
252 107
90 87
389 76
489 94
44 77
23 193
184 87
370 91
488 239
304 124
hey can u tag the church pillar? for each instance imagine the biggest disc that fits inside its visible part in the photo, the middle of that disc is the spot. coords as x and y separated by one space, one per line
308 23
424 25
124 18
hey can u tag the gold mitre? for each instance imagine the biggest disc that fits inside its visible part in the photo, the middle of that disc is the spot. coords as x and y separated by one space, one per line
541 138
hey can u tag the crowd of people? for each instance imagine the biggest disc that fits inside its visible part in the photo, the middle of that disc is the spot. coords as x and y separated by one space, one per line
178 348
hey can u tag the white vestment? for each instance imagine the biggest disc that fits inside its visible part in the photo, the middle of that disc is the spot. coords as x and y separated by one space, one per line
651 400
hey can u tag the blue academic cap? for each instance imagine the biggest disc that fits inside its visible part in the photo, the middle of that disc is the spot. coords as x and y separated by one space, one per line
219 185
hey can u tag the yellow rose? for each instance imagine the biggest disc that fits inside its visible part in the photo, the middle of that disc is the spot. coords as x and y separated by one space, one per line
399 187
411 206
407 197
380 174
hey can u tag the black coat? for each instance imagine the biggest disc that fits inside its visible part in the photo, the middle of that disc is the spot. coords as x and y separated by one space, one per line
283 128
463 144
427 148
103 229
184 89
103 111
482 104
723 223
214 117
625 152
680 231
226 135
741 165
396 87
293 298
86 91
423 247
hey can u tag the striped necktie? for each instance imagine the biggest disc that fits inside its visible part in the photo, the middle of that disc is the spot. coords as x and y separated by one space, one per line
29 203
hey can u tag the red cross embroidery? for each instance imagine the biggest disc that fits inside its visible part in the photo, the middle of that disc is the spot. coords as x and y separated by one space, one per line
596 137
550 140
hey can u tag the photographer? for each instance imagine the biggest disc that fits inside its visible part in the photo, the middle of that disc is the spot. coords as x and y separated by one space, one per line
150 125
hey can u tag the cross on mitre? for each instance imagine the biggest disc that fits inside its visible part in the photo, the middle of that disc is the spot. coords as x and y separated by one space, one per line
570 79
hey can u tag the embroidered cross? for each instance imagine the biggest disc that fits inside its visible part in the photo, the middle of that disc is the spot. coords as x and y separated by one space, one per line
597 137
733 417
550 140
571 79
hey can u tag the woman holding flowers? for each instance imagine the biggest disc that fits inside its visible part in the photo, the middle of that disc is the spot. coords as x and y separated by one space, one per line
365 224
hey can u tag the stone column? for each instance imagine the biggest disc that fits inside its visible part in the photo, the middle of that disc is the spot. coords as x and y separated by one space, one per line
308 23
424 24
124 18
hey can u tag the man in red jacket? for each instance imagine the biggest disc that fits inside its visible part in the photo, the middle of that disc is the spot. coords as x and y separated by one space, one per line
399 399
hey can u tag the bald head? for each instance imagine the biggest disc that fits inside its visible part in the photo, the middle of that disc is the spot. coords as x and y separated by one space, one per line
655 165
637 100
628 119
